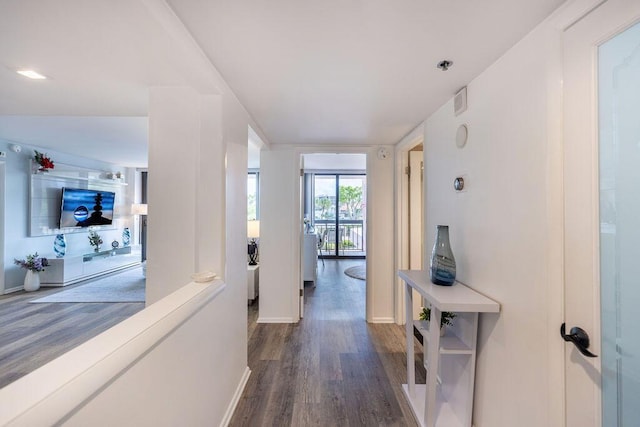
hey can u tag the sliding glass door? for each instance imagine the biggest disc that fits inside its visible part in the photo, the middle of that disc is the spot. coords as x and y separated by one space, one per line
339 206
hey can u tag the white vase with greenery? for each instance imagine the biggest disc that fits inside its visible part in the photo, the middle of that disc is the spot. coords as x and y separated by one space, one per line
34 264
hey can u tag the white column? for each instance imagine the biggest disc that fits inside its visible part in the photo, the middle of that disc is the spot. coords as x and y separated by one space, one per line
186 188
280 273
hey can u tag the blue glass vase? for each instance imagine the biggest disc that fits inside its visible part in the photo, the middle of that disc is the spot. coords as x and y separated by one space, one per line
126 237
442 269
60 246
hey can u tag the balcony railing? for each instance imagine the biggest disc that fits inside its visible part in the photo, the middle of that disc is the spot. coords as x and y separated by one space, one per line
351 237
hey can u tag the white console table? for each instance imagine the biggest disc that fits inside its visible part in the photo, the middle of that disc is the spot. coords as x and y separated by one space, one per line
72 269
310 258
446 400
253 282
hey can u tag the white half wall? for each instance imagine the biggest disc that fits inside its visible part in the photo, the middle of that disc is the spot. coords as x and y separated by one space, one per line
505 227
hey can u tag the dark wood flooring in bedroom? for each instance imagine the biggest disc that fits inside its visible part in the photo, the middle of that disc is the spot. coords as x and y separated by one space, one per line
32 335
332 368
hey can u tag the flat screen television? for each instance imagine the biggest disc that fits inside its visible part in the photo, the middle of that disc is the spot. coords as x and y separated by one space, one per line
83 208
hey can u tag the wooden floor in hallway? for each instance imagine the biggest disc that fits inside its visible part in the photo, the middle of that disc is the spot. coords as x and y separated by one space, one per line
330 369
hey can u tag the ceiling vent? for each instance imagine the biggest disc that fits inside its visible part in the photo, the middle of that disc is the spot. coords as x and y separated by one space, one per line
460 101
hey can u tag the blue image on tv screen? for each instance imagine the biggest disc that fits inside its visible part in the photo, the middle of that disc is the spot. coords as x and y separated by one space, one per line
82 208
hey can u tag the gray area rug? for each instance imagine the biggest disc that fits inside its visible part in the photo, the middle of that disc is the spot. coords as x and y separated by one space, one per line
122 287
357 272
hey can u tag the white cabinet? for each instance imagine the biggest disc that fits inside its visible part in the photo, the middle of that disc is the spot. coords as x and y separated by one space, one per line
310 258
72 269
446 400
253 281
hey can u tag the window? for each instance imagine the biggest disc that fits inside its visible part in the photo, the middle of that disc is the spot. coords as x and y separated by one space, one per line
253 196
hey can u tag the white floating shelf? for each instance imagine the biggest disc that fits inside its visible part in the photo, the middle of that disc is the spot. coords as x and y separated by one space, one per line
60 175
457 298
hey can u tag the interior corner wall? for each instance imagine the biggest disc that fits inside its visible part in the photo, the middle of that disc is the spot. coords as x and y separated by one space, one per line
501 224
280 230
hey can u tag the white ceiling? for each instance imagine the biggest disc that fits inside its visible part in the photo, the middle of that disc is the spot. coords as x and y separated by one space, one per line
352 72
122 139
331 72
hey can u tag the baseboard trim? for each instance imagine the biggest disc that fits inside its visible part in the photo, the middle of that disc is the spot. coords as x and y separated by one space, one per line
12 290
276 320
383 320
236 398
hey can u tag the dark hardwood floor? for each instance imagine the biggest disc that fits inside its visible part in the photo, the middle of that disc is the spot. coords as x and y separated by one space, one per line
332 368
32 335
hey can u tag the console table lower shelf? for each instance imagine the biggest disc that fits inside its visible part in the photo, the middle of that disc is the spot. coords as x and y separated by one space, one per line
446 415
446 400
72 269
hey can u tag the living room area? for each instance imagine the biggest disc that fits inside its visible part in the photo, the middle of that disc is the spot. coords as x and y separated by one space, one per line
74 215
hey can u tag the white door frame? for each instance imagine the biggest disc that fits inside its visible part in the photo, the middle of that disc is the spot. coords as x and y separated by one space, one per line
415 138
300 207
2 224
581 182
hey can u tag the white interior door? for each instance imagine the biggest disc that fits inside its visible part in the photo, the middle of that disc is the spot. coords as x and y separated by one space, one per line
602 214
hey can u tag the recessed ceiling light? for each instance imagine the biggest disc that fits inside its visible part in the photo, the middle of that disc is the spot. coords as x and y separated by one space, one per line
31 74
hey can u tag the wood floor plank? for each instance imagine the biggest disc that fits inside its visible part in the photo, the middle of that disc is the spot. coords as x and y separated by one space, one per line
32 335
332 368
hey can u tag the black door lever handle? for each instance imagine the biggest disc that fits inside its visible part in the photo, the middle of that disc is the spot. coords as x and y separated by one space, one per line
579 338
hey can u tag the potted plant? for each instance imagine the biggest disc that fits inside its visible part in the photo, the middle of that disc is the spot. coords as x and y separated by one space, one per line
446 318
95 240
34 264
43 161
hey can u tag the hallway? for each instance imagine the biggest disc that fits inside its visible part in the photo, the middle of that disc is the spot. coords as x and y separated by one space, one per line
332 368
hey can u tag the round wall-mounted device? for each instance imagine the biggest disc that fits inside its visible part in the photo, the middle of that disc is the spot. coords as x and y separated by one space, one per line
383 153
461 136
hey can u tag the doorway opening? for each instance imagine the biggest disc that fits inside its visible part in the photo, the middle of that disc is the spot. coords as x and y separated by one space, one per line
410 214
334 210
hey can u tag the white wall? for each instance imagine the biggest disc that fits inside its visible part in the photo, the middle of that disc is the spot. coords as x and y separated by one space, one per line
336 162
280 225
506 227
380 237
174 115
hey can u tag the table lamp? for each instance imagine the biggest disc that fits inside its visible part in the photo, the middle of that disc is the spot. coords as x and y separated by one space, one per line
253 232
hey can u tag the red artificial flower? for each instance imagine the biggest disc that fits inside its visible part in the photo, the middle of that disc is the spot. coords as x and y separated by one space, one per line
43 160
